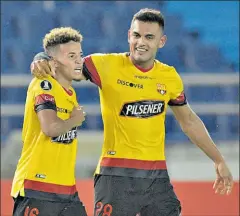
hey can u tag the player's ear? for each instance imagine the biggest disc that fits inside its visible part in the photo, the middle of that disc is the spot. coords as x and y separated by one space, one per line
129 32
53 64
162 41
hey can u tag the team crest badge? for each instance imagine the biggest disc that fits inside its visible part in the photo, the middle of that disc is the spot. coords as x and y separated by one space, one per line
161 88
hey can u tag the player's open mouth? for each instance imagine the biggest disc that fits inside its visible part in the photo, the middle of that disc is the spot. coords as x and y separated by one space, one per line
78 70
141 50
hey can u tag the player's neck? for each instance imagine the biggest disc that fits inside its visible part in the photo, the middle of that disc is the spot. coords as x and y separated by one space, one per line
144 67
63 81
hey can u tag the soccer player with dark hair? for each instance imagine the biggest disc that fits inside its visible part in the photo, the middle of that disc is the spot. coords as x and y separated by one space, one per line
44 181
135 90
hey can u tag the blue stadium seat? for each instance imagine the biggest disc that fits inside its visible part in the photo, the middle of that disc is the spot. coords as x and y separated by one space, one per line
15 95
209 58
33 26
87 95
210 122
79 18
174 30
171 56
170 127
174 133
205 94
12 58
208 18
92 123
233 122
9 23
13 122
133 7
17 58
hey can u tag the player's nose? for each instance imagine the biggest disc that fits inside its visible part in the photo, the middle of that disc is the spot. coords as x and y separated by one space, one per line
141 41
79 61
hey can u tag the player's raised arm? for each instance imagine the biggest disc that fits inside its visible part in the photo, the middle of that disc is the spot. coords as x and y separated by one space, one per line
93 67
40 66
50 123
195 129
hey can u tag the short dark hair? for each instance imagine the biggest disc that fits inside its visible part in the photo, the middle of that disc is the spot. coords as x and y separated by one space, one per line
149 15
60 36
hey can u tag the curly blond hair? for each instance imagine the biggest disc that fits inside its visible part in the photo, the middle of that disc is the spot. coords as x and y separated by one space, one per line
60 36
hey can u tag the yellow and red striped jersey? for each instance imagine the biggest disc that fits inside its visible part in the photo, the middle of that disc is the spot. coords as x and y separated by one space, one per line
46 168
133 104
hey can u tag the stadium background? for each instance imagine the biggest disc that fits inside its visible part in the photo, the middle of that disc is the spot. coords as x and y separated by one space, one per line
203 45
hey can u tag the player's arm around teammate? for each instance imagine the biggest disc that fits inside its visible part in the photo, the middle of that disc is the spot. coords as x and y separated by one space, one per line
195 129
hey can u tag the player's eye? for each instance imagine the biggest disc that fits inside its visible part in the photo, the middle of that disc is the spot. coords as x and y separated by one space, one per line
71 56
136 35
149 37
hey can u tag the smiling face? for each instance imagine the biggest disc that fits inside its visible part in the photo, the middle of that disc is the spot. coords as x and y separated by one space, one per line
68 61
145 38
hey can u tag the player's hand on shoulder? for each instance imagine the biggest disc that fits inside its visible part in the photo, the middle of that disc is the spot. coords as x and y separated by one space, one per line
78 115
224 181
41 68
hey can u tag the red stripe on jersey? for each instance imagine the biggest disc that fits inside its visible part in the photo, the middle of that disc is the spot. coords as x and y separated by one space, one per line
93 71
48 187
143 69
43 98
68 91
181 99
133 163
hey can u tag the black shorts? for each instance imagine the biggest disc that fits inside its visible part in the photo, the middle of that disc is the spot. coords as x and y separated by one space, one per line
24 206
128 196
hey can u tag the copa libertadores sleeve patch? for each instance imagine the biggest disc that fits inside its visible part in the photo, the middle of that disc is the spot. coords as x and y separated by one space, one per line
46 85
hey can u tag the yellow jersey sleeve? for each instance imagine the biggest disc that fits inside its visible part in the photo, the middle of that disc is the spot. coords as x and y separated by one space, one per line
96 66
42 92
177 95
